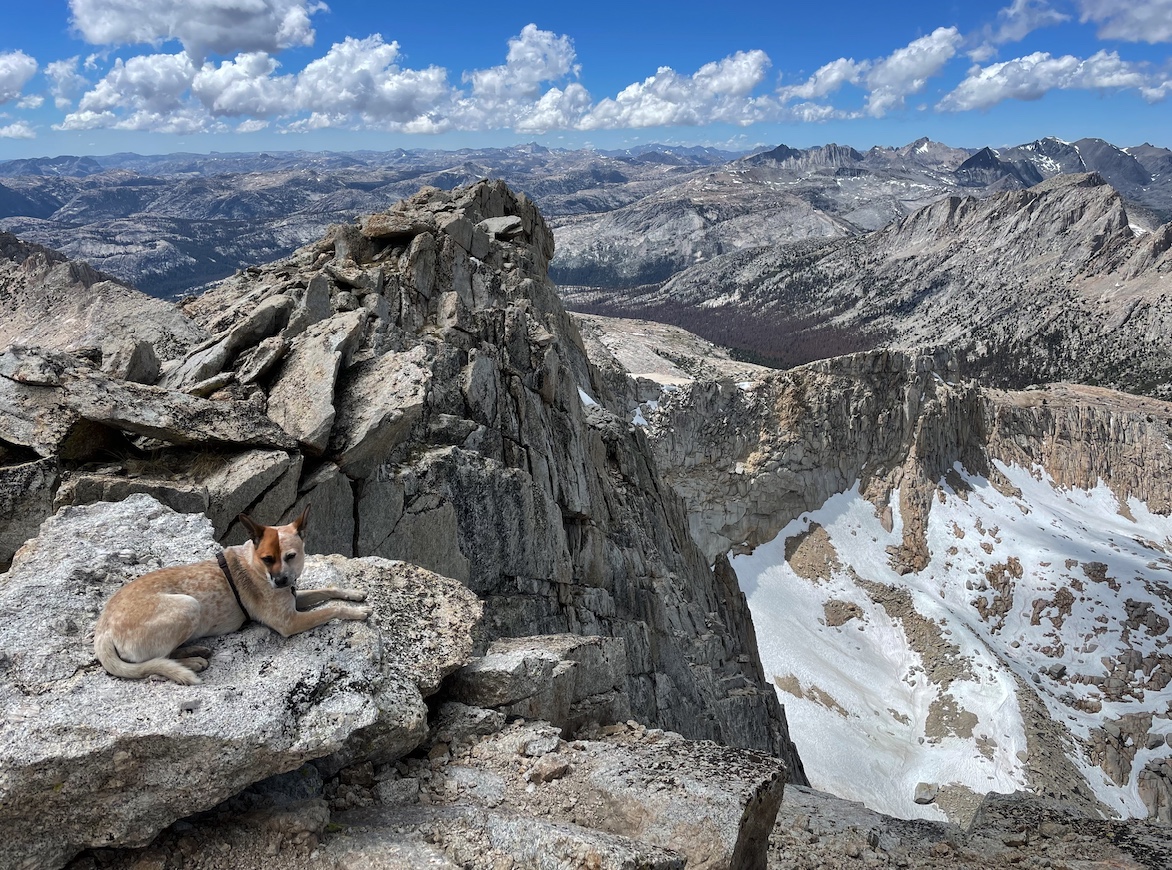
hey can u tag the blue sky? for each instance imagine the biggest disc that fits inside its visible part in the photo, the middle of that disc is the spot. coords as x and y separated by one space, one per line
99 76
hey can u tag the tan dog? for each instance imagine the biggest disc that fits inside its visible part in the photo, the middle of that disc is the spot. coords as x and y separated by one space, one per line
145 625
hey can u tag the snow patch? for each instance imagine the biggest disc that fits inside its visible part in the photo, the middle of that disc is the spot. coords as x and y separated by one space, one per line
857 695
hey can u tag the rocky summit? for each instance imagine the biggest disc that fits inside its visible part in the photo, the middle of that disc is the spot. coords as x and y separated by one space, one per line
416 380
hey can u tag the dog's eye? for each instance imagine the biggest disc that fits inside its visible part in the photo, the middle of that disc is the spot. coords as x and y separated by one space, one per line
289 557
268 560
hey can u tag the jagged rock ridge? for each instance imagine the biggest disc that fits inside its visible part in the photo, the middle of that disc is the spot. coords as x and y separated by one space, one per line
417 380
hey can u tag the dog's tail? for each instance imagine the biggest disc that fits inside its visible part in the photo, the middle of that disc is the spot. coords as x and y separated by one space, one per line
107 654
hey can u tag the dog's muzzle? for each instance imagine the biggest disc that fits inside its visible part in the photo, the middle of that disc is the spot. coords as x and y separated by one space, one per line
281 581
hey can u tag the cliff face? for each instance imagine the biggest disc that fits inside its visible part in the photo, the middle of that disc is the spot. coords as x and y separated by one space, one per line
751 456
1004 552
417 381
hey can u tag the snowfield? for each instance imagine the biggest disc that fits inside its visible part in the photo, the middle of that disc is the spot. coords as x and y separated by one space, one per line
890 681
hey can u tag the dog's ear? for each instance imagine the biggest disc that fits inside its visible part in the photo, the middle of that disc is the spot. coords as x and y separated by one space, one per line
255 530
301 523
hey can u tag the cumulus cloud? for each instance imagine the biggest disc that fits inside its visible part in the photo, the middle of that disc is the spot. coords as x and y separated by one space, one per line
556 110
1130 20
511 95
535 56
826 80
356 83
358 79
19 130
908 69
717 92
147 92
244 86
201 26
888 81
1016 21
1032 76
65 82
16 68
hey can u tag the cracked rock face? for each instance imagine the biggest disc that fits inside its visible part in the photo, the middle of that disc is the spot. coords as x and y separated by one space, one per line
92 760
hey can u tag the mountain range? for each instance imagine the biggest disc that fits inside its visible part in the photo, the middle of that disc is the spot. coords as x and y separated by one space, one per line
169 224
1031 285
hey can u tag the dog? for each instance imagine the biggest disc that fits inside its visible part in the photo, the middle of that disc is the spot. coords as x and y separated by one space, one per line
146 627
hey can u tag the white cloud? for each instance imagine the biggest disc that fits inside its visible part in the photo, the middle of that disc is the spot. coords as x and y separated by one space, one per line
717 92
16 68
1156 91
1130 20
30 101
510 95
65 82
359 81
814 113
252 125
535 56
155 82
826 80
19 130
201 26
356 83
147 92
908 69
1022 18
1032 76
888 81
244 86
555 110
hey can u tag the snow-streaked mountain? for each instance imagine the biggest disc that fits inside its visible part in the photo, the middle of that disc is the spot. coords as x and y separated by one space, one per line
955 589
173 222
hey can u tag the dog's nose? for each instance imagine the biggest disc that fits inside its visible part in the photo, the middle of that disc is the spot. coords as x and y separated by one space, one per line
280 581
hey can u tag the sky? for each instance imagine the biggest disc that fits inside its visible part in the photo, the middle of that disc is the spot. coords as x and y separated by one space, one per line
158 76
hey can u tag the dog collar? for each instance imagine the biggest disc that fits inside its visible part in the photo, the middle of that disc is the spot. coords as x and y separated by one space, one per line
223 560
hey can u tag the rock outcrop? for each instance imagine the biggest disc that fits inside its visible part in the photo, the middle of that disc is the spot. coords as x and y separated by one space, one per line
320 748
54 302
417 380
91 760
750 456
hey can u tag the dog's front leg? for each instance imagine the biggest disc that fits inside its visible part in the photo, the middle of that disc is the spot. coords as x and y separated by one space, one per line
310 597
293 621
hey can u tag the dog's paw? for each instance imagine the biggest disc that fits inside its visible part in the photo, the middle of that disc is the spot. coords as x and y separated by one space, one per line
357 612
194 663
353 594
193 651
